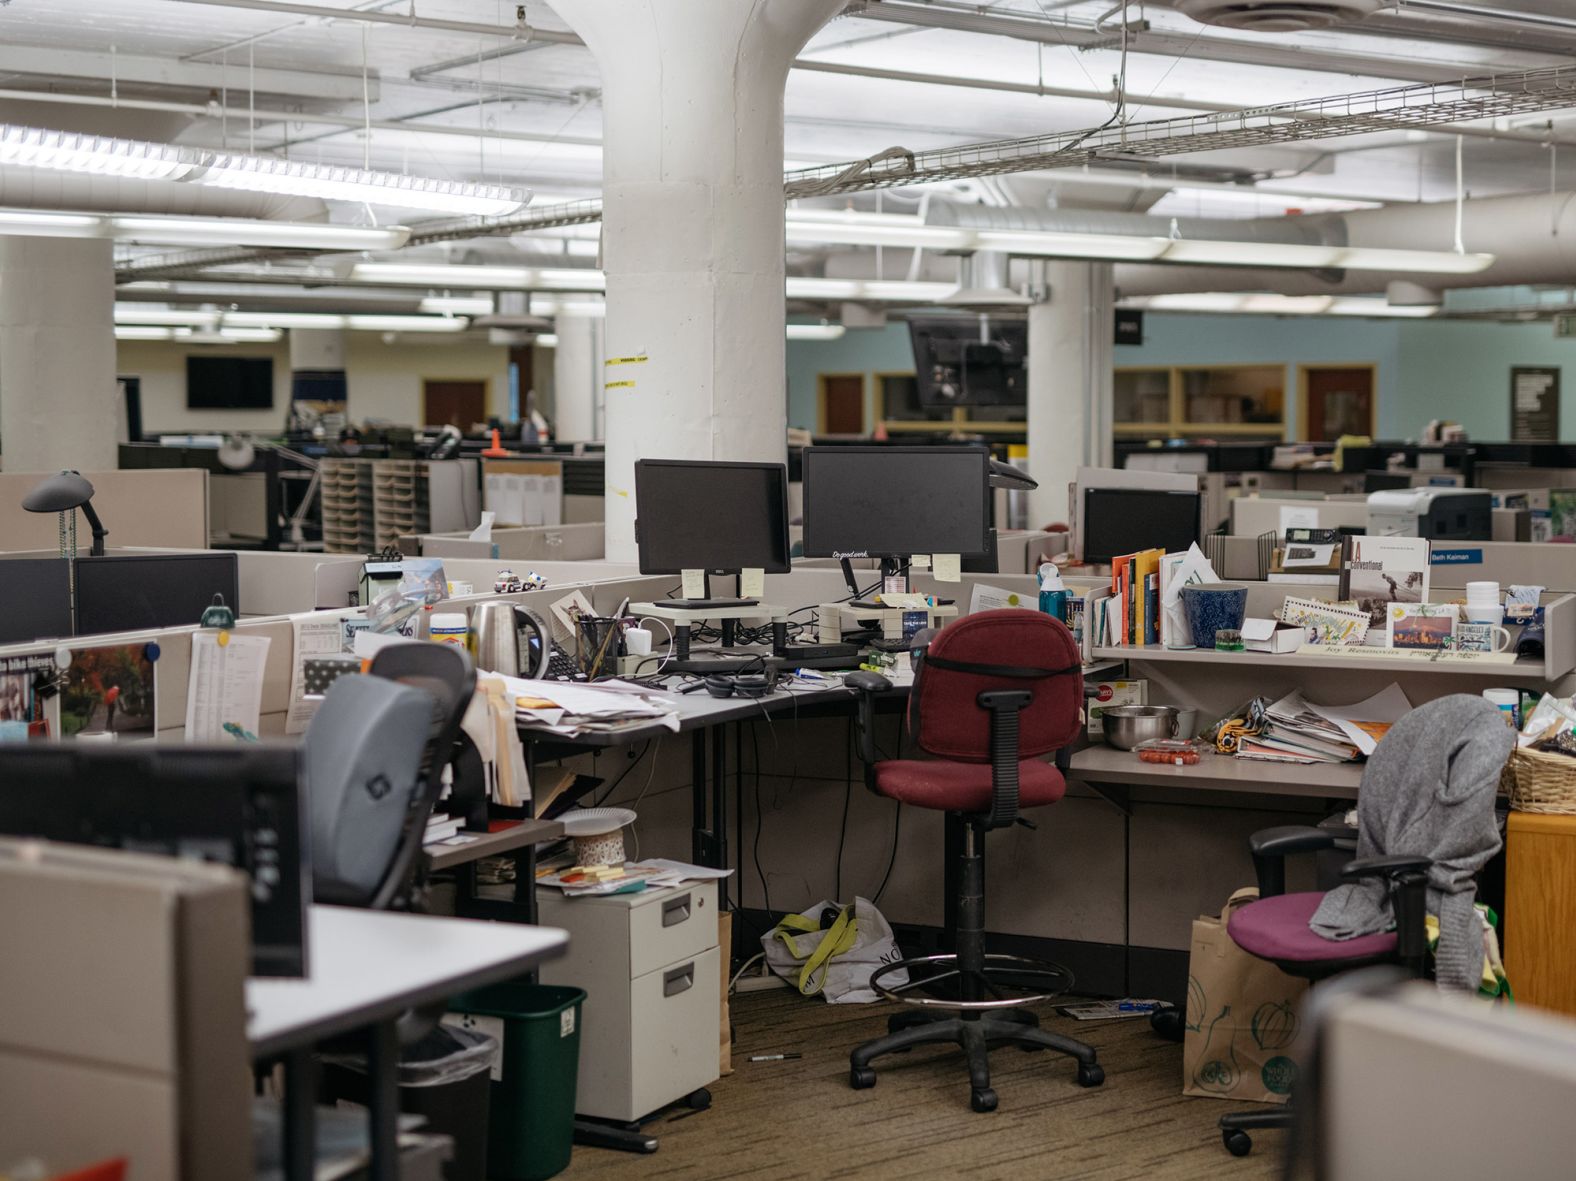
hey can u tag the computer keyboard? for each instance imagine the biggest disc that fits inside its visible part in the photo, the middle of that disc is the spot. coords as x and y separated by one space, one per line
707 604
560 666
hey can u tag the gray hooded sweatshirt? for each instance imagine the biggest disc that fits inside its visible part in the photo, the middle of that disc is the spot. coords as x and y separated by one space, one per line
1429 789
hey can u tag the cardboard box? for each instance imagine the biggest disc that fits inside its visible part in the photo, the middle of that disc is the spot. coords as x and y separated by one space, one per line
1114 693
1271 635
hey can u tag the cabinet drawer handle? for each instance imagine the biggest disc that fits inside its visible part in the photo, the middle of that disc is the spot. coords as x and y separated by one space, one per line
675 910
678 980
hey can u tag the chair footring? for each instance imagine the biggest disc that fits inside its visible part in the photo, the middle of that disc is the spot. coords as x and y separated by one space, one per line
998 982
1244 1121
977 1036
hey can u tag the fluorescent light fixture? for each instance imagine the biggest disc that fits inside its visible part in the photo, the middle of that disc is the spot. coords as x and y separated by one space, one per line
236 231
1055 244
197 335
495 278
548 340
1261 304
815 331
143 332
148 313
360 323
32 147
457 305
895 290
874 229
50 225
553 305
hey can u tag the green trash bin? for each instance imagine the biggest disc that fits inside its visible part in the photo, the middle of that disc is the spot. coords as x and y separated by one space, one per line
531 1118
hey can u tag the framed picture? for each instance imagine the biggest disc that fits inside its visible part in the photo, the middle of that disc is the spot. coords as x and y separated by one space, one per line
1421 627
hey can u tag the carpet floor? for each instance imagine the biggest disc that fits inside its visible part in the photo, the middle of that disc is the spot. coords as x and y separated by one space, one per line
798 1120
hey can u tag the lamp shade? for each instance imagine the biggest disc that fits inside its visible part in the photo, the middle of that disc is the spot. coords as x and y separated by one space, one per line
59 494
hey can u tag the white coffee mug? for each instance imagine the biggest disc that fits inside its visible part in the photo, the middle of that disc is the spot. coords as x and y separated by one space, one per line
1481 637
1493 614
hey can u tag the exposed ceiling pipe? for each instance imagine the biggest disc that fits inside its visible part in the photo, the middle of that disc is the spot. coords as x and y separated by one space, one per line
37 188
1533 239
1479 12
519 31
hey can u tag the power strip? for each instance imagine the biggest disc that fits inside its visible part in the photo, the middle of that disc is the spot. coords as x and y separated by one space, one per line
753 982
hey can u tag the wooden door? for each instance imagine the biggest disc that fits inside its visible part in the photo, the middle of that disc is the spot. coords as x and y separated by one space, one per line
842 404
455 403
1337 401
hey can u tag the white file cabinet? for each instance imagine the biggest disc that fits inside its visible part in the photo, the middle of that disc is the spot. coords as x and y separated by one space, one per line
649 965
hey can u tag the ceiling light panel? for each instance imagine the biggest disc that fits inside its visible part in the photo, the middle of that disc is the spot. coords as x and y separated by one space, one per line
32 147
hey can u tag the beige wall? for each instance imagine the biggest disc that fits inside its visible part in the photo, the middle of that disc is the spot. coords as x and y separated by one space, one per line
385 379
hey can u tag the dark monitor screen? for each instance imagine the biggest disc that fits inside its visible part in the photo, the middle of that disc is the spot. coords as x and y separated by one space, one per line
1121 521
956 363
129 592
237 805
229 383
883 502
719 517
35 599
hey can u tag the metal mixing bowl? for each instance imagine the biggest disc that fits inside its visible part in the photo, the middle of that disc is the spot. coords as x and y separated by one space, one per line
1127 725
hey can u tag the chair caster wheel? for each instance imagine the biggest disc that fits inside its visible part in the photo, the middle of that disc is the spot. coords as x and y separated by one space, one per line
1237 1143
861 1078
1090 1074
984 1100
1167 1023
697 1100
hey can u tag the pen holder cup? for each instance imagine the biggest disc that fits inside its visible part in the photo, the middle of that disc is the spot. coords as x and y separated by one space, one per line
599 644
1212 607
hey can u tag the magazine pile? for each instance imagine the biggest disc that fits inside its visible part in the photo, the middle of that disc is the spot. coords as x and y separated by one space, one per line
1299 731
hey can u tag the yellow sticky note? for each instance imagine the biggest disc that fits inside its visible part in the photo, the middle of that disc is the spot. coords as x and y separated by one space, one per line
919 562
694 584
752 583
948 567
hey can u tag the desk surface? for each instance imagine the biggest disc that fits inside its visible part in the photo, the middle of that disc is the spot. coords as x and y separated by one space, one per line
1101 764
490 844
370 966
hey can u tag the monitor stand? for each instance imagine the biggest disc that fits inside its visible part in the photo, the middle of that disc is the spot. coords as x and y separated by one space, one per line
728 659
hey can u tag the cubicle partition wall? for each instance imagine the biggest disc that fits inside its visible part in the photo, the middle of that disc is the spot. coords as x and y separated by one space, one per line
560 543
156 507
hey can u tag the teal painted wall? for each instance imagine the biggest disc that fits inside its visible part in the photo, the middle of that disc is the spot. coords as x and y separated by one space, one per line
1452 369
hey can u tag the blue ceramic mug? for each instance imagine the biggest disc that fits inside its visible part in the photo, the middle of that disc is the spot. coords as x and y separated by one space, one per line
1214 606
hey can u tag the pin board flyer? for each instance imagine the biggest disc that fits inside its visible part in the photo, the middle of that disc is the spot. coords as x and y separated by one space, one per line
24 702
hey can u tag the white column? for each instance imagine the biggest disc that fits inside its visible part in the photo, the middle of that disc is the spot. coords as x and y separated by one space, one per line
577 378
1071 351
57 355
692 225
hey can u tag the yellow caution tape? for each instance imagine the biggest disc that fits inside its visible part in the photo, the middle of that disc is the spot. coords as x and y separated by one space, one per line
619 385
640 360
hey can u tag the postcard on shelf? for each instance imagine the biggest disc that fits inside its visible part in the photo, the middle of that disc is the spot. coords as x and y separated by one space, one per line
1330 624
1421 627
1379 571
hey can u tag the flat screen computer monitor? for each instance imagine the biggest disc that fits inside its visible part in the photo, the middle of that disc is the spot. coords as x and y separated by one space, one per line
237 805
35 599
893 502
956 363
129 592
1120 521
717 517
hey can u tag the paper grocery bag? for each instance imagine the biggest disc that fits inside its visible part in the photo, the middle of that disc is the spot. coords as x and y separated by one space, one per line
1242 1017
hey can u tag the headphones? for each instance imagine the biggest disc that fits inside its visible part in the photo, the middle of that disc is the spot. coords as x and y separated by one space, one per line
741 684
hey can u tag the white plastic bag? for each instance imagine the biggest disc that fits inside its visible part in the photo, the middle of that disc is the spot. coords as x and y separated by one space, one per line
836 962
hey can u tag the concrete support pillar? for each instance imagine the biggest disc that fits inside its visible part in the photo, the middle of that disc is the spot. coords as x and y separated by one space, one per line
577 378
1071 350
57 355
692 225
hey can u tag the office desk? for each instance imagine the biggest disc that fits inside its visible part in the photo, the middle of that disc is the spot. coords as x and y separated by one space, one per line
1109 771
368 968
491 844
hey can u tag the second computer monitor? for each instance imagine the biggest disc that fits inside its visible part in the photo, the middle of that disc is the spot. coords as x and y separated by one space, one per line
717 517
130 592
1119 521
892 502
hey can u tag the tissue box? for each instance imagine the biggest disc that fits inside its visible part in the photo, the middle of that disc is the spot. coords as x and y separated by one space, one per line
1271 635
1114 693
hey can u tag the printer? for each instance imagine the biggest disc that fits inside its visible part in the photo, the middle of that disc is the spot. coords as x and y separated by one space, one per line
1440 514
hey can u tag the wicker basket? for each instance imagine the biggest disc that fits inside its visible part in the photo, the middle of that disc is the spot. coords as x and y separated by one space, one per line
1537 781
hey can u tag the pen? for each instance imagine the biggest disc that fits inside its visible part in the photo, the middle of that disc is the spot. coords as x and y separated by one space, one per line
772 1057
1136 1007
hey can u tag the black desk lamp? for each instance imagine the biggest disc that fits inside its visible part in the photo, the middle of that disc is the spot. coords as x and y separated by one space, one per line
63 494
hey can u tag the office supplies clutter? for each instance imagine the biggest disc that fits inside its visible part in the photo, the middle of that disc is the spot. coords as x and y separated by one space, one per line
1242 1017
832 951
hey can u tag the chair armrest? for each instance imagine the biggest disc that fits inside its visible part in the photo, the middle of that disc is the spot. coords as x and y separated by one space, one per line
1390 868
1271 846
1406 876
865 685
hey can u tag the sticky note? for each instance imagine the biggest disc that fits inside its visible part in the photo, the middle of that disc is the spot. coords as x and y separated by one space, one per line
752 583
919 562
694 584
948 567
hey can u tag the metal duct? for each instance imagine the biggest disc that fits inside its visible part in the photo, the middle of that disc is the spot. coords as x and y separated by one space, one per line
1321 230
39 188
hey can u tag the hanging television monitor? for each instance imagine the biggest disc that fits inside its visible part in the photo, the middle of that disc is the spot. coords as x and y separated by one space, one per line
970 360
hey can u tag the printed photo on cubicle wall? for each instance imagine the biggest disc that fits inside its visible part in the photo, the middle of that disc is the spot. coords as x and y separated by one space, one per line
108 691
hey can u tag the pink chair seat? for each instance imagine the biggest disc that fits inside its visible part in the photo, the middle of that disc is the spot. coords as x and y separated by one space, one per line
963 787
1276 929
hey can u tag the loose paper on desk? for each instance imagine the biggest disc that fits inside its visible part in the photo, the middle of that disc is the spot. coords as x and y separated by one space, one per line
906 601
1366 722
947 567
752 583
1307 555
992 598
483 532
1297 517
225 685
694 584
1192 570
313 635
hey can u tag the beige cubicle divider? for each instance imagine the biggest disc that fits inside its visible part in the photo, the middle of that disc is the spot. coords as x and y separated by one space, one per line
561 543
1545 564
166 507
1253 515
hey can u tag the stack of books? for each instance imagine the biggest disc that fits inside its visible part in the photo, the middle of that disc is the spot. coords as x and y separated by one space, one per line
1296 733
1133 610
440 828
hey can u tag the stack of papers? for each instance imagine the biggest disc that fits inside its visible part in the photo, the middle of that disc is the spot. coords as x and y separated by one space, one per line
631 877
1302 732
570 709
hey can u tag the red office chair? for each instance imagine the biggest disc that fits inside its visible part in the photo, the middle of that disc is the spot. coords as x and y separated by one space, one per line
992 694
